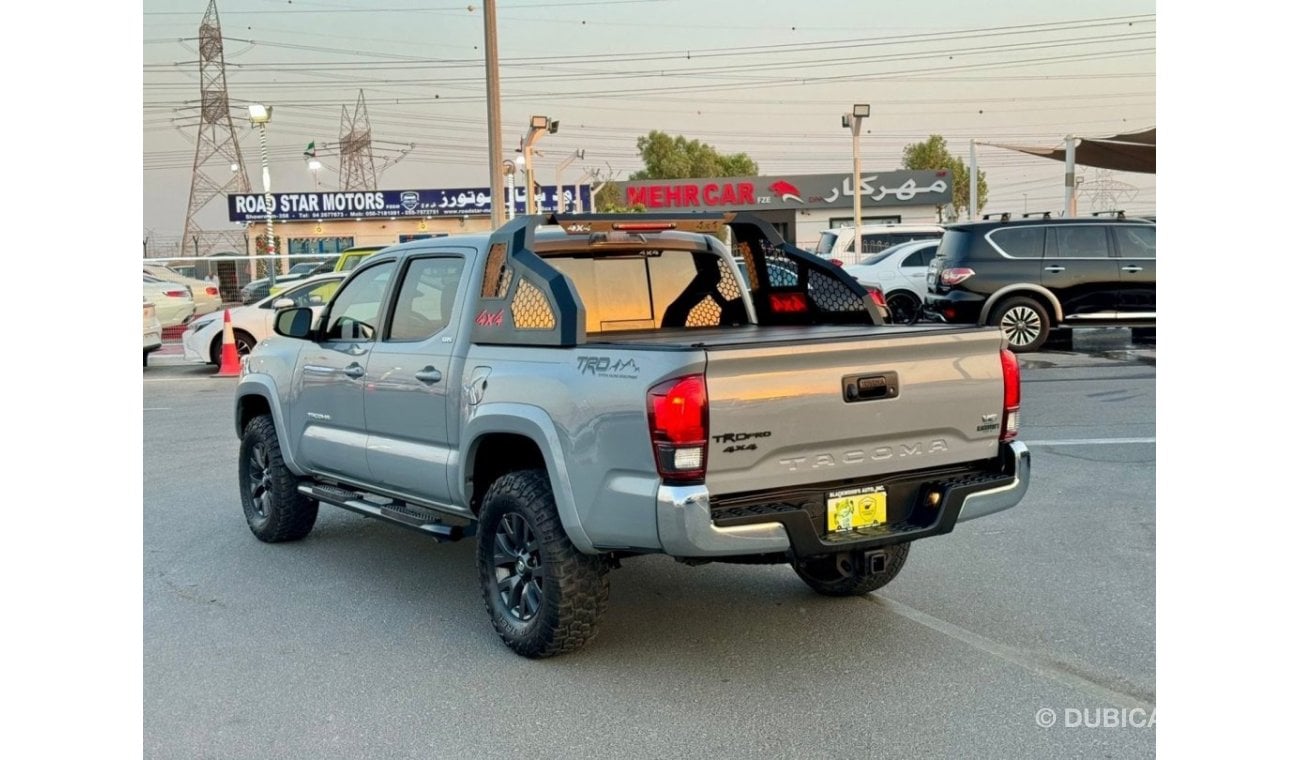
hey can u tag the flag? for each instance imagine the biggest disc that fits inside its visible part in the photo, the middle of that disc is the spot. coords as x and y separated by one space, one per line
311 150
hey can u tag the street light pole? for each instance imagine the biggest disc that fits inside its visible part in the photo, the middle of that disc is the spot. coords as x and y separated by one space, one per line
537 126
493 107
854 121
260 116
510 190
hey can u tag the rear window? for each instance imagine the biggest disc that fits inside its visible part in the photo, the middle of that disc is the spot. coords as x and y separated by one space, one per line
826 244
647 290
952 246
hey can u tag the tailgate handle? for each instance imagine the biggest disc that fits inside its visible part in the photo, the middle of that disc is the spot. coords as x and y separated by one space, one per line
870 387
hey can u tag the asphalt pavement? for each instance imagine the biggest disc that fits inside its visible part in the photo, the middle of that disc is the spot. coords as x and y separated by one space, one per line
1030 633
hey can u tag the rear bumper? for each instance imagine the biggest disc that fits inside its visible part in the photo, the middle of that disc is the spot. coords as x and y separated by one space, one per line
689 526
958 306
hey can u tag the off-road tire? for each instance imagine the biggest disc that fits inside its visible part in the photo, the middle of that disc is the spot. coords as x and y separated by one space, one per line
1025 323
823 576
573 587
269 491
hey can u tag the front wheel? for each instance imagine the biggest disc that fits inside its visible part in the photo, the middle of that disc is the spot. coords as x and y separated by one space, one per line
544 596
274 508
243 344
1025 323
850 573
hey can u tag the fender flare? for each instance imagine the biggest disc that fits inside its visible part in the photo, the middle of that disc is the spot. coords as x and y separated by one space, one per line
536 425
1001 293
262 387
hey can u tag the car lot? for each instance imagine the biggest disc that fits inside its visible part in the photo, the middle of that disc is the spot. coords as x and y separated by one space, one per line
367 640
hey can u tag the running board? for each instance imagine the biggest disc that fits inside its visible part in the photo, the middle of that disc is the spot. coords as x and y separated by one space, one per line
425 521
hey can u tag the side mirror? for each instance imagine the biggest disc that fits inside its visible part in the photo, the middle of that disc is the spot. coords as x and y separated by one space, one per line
282 303
294 323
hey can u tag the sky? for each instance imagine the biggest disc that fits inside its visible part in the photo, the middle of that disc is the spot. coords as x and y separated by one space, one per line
769 79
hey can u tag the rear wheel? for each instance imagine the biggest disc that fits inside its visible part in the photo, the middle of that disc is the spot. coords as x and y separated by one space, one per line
904 307
1025 323
544 596
850 573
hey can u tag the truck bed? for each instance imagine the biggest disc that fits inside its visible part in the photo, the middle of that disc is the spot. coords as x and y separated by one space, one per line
722 338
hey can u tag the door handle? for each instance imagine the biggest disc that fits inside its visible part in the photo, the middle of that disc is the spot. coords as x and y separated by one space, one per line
1131 268
354 370
1054 269
428 375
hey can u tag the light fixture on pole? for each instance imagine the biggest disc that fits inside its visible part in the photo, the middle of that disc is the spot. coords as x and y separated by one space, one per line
511 167
853 121
260 116
537 126
313 166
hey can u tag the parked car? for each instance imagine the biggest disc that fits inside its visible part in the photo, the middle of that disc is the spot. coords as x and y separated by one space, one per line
842 245
346 261
173 302
1030 276
206 295
152 331
900 271
251 324
783 274
261 288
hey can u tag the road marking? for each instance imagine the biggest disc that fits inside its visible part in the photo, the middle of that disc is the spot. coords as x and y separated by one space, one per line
157 408
1090 441
1014 656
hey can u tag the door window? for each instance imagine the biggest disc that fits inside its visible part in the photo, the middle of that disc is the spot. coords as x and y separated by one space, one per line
921 257
355 311
1082 241
424 302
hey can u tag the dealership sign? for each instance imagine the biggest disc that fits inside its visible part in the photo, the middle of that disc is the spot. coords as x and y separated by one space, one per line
792 191
382 204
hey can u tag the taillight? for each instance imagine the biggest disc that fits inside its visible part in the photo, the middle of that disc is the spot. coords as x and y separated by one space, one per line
212 291
837 262
176 293
1010 396
877 297
955 275
679 428
788 303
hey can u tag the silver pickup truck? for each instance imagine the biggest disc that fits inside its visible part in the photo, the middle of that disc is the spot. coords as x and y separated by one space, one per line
580 390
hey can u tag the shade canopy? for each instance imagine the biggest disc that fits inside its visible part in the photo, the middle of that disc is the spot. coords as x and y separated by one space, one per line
1129 152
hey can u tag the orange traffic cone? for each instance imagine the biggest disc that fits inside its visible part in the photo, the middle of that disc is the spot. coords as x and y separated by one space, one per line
229 354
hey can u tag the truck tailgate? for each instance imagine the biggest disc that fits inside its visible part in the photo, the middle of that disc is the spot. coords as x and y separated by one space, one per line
784 415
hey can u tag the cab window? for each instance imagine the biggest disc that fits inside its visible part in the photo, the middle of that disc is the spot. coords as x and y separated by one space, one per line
424 302
355 311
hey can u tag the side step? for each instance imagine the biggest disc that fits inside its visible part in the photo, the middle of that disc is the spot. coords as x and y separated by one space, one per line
426 521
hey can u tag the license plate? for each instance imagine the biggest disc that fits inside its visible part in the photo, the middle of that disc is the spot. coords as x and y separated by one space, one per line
855 508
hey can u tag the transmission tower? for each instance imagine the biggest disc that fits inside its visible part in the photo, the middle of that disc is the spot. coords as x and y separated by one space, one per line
218 164
356 159
1105 192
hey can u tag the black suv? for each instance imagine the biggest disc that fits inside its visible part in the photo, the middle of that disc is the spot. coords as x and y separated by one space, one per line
1028 276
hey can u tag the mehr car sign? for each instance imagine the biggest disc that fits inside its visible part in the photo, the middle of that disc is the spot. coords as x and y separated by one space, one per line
376 204
807 191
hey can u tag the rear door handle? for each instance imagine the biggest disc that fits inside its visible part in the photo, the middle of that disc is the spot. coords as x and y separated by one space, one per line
1130 268
1054 269
428 375
354 370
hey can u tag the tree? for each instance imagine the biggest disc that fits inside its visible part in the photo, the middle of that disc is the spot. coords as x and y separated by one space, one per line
933 154
667 157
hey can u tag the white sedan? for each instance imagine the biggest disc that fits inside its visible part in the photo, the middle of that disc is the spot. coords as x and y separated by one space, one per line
152 331
173 302
255 322
207 297
900 272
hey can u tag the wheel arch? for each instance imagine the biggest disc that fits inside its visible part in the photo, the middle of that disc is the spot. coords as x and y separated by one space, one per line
1027 290
255 397
529 439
